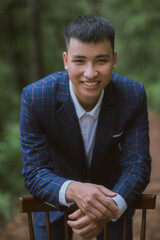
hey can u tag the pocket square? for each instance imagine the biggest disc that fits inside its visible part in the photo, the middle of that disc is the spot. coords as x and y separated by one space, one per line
118 135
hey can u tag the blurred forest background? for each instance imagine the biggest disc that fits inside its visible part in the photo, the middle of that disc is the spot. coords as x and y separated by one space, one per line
31 46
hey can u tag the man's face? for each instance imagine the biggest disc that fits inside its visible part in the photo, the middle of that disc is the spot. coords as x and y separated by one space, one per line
90 68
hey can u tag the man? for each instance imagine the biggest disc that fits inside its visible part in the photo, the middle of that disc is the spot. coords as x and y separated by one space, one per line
84 136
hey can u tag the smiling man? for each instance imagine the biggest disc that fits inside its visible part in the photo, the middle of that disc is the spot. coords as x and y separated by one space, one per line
84 136
90 68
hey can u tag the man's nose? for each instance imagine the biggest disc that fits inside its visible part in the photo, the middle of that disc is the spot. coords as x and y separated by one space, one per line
90 72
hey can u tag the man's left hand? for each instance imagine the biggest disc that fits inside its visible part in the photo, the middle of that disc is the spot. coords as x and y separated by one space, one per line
84 226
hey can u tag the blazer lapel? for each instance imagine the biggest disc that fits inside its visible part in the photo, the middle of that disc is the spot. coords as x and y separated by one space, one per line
69 122
106 124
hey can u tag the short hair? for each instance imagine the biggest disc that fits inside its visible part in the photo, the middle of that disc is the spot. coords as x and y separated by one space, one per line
90 28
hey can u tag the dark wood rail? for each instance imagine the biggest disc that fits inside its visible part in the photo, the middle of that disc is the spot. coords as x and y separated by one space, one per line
31 204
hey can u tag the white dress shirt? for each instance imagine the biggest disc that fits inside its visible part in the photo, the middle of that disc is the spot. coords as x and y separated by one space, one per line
88 123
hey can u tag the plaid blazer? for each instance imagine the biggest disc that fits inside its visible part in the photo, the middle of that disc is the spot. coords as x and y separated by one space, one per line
53 149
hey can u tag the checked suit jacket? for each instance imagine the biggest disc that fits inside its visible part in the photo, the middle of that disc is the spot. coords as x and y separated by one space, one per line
52 146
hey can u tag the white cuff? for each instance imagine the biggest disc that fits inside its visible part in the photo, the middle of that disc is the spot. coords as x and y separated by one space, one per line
121 204
62 194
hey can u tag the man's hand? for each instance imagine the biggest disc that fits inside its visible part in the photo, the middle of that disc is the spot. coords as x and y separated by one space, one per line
84 226
92 200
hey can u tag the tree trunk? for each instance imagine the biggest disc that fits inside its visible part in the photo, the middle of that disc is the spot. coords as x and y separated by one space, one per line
36 66
15 54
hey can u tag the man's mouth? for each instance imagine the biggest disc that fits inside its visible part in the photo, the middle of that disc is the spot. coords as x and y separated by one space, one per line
91 84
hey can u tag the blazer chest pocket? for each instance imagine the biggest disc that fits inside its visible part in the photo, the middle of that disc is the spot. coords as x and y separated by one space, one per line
116 138
117 135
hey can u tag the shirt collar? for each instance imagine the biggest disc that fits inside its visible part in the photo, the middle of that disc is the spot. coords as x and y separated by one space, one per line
79 109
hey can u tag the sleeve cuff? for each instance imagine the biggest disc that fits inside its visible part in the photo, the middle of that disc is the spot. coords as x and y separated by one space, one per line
121 204
62 194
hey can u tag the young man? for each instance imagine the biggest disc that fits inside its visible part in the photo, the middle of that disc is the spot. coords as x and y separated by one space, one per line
84 136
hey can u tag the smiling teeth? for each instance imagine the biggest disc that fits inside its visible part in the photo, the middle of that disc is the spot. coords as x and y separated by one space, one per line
90 83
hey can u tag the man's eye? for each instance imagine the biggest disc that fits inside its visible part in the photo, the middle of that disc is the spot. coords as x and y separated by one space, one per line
79 61
102 60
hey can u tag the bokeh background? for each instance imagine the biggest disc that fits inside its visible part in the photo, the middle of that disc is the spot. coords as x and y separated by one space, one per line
31 46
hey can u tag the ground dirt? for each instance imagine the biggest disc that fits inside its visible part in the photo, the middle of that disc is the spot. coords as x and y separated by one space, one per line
17 229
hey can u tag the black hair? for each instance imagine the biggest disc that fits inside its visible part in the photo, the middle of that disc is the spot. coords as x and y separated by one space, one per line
90 28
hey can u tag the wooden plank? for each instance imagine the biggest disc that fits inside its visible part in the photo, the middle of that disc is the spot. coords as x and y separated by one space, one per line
145 201
31 204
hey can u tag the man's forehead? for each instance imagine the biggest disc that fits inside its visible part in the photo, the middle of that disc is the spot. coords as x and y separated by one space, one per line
79 49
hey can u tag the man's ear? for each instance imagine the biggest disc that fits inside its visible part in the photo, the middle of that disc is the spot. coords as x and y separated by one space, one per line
115 60
65 60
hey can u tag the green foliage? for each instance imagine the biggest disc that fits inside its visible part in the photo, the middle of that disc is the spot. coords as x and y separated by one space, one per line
5 206
153 95
10 160
9 98
11 181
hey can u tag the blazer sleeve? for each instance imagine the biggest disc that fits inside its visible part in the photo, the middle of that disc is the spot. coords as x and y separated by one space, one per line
135 158
38 165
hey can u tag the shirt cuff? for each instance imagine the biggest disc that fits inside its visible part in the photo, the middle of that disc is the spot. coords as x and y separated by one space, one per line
121 204
62 194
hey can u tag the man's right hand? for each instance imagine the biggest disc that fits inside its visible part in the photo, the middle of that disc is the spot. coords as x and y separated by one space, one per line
83 226
92 200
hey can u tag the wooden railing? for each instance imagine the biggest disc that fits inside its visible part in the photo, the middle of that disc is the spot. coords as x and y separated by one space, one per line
30 204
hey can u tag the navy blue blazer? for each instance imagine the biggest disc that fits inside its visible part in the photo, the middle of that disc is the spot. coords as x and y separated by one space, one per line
52 146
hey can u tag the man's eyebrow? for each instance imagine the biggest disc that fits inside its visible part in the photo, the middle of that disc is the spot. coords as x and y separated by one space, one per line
103 56
78 56
98 56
